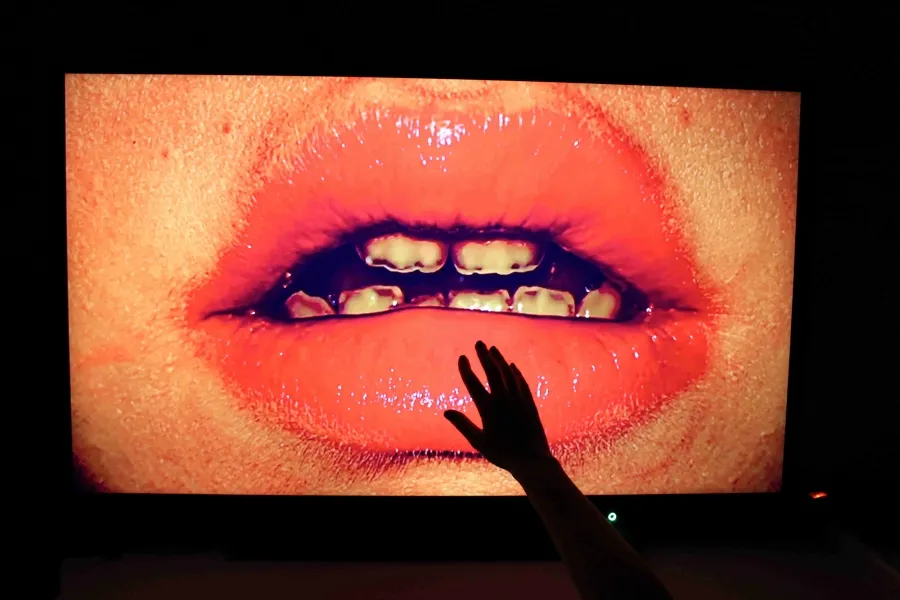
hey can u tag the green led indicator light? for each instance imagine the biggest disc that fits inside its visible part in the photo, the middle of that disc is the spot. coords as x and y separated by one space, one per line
612 517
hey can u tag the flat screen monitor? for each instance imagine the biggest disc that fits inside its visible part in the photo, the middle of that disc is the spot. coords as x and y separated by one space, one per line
271 279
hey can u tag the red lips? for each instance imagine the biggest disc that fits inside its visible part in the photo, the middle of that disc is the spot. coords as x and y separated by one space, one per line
381 382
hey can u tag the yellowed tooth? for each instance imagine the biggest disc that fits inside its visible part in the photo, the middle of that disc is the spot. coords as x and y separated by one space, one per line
426 301
602 303
500 257
493 302
533 300
403 254
303 306
372 299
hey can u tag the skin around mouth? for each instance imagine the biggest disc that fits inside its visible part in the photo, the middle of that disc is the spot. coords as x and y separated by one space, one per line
380 382
169 178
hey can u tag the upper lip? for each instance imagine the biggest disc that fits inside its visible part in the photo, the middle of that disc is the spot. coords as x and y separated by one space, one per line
588 186
602 200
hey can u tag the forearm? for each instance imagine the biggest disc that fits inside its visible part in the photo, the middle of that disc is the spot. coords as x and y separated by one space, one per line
600 561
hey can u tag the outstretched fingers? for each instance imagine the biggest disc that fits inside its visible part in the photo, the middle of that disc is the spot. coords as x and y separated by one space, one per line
467 428
509 382
523 391
491 368
479 395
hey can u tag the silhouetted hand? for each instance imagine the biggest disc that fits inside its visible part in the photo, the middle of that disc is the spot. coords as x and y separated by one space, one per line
512 436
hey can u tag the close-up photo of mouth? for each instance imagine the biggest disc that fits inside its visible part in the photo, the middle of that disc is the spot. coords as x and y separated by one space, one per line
365 332
384 246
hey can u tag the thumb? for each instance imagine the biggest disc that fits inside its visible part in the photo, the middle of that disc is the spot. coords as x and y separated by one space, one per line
466 427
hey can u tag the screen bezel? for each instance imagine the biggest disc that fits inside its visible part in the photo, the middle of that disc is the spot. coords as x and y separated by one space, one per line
394 528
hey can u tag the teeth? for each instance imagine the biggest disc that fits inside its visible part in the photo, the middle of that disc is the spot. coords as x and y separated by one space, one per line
602 303
425 301
500 257
373 299
403 254
494 302
532 300
302 306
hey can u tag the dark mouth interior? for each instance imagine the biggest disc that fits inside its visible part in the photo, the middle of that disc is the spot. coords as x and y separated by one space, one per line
329 272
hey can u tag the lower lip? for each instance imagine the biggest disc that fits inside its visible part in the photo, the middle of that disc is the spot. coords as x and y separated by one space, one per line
382 382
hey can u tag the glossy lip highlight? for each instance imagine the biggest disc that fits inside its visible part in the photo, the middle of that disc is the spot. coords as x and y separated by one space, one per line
380 382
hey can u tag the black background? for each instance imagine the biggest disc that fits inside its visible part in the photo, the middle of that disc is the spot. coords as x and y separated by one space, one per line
842 421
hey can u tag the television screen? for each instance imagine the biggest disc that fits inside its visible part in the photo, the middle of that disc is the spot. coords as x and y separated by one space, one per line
271 280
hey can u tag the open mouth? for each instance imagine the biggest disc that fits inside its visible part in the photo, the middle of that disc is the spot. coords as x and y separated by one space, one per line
382 249
493 271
